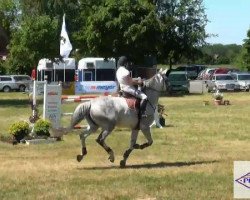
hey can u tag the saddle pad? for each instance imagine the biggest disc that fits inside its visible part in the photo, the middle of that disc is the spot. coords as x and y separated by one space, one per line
132 103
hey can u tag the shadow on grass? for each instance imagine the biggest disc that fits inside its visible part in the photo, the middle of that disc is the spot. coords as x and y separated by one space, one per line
14 102
17 102
152 165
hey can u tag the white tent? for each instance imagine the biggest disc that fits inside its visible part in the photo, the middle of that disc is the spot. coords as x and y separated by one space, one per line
53 70
46 64
96 63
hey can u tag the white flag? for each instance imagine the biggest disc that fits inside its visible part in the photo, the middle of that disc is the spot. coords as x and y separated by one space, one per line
65 45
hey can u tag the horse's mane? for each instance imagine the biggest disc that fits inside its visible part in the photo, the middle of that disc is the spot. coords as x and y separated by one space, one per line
147 83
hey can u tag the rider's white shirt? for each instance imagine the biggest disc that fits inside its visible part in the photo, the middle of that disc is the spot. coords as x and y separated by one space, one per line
126 83
123 77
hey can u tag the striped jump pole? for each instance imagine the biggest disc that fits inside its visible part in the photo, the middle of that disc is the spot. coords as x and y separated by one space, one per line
80 127
76 99
67 114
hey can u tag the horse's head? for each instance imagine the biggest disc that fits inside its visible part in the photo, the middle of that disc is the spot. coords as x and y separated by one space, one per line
158 82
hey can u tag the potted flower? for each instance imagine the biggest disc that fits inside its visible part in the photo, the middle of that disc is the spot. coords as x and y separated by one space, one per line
218 97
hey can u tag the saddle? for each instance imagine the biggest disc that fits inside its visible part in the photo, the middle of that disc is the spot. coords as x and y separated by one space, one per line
132 102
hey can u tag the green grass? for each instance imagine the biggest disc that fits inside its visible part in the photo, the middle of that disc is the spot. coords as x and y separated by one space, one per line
191 158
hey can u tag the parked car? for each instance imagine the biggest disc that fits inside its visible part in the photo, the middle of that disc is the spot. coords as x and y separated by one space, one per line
223 82
243 79
178 82
23 82
199 68
206 74
7 83
225 70
14 82
191 70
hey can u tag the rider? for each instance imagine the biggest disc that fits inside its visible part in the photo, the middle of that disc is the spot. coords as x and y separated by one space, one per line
127 83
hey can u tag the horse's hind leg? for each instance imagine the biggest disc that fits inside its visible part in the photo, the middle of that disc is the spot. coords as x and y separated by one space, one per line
83 136
147 133
101 141
133 145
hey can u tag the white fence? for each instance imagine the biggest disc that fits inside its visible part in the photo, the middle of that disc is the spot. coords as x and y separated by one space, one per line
198 86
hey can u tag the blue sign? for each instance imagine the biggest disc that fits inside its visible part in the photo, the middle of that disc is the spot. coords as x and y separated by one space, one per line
96 87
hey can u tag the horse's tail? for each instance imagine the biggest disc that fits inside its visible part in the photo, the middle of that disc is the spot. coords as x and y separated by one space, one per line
79 114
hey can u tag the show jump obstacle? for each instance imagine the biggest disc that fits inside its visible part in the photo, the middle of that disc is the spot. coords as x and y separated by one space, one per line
53 100
75 99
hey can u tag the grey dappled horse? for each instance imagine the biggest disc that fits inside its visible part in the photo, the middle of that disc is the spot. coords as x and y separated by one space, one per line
108 112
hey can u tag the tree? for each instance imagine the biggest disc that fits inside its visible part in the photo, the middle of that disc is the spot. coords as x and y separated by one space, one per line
243 59
116 28
38 33
220 54
8 21
9 15
37 38
183 28
52 8
168 29
4 40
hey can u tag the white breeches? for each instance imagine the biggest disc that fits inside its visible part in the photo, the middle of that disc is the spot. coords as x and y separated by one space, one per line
133 91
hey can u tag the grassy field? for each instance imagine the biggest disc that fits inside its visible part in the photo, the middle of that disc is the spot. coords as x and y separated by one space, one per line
191 158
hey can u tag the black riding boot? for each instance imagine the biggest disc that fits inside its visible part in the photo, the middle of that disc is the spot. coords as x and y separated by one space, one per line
143 106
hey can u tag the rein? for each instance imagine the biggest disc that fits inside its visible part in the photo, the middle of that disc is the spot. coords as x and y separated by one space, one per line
152 106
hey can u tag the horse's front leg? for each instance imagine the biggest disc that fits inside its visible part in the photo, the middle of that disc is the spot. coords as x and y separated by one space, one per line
101 141
133 145
83 137
147 133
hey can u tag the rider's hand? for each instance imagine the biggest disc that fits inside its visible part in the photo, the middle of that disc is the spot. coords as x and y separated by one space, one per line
140 82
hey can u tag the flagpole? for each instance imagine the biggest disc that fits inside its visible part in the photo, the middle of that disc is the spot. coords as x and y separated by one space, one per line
65 45
54 69
64 71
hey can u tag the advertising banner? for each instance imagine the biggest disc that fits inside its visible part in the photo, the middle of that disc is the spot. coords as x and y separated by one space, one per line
96 87
52 104
241 179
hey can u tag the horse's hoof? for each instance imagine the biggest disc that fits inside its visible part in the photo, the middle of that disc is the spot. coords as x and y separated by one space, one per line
122 163
111 156
136 146
111 159
79 158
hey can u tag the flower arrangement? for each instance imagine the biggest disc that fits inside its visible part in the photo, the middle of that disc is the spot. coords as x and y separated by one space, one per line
218 95
19 130
41 127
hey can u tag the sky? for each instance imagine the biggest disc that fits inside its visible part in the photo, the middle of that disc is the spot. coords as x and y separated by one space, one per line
229 19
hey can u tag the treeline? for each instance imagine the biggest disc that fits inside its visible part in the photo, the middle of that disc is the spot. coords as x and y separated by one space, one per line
165 29
231 54
172 31
218 54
